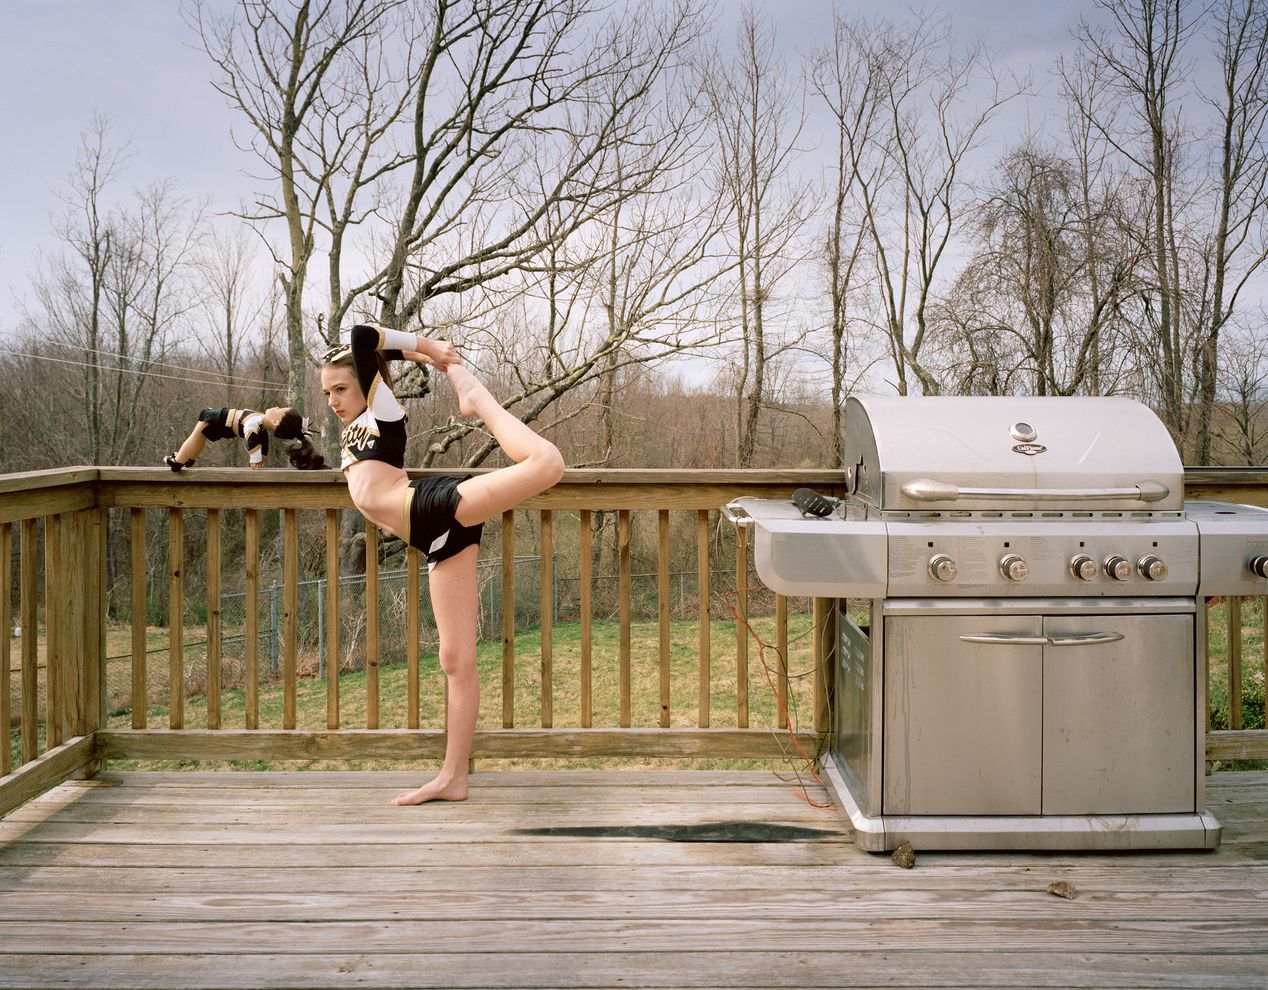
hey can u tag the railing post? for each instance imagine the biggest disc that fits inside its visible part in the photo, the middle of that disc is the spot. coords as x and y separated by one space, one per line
140 615
546 627
332 618
704 591
213 619
89 687
6 631
741 626
371 626
175 619
1234 662
290 615
825 651
54 602
28 584
251 617
508 619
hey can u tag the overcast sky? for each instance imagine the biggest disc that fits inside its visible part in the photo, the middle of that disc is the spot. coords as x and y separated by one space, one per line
61 61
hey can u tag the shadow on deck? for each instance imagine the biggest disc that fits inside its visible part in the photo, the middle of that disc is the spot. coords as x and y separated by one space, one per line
588 879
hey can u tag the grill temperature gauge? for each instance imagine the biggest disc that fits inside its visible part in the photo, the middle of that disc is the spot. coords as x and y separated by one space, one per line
1013 567
1118 567
1083 567
942 567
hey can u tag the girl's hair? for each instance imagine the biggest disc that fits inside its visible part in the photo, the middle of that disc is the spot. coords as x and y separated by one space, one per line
341 357
303 454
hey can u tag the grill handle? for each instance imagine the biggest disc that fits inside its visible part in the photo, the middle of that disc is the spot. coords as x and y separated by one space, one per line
928 490
735 514
1026 639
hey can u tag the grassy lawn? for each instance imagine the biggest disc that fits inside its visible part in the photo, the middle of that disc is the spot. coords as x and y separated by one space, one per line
566 690
566 684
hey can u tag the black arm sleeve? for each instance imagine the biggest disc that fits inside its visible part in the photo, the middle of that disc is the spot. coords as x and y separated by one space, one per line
365 341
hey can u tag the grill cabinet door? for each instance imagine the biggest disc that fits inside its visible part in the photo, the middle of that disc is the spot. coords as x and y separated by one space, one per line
1118 718
962 720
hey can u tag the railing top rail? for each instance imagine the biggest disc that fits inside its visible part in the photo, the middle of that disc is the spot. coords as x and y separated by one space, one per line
572 476
22 494
1208 475
26 481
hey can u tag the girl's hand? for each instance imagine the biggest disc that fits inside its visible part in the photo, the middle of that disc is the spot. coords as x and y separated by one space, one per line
438 353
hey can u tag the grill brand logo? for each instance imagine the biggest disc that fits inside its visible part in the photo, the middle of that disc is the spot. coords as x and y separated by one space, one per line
1028 436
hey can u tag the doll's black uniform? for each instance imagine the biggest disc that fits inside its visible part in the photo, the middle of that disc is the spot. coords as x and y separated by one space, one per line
225 424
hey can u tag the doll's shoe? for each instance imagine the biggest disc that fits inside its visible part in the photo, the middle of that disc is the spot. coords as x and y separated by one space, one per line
171 461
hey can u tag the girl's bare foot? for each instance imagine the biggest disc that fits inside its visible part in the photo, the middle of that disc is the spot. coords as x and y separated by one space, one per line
434 790
470 391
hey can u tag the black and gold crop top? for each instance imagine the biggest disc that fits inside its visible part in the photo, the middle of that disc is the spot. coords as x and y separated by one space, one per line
378 434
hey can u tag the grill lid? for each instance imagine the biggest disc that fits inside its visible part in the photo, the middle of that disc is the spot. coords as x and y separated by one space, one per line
1010 453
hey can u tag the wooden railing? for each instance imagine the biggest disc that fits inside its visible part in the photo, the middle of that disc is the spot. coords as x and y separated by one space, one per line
56 523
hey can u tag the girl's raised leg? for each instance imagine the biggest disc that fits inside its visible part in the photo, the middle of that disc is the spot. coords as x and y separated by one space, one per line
453 597
538 463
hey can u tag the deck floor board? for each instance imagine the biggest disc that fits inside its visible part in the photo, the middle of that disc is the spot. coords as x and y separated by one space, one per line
588 879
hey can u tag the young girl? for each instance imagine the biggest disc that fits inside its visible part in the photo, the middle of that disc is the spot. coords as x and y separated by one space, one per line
254 428
440 516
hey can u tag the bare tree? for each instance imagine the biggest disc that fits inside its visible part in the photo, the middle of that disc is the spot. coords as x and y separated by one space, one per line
913 113
1205 226
757 132
637 283
846 77
1241 416
111 303
1138 58
151 293
1037 307
281 63
1238 247
225 266
71 292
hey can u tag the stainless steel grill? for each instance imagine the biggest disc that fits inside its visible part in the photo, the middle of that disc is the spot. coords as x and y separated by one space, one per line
1031 670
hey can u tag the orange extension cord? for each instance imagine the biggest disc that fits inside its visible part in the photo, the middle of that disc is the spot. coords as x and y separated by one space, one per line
782 703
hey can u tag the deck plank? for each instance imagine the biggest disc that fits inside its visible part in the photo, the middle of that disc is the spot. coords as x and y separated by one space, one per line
837 968
588 879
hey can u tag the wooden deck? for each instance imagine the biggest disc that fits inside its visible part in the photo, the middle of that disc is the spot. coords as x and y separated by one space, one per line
587 879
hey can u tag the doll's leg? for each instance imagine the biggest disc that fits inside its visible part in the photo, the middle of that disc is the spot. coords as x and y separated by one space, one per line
193 446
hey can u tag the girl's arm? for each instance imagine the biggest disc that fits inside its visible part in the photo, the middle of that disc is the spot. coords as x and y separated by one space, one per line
437 353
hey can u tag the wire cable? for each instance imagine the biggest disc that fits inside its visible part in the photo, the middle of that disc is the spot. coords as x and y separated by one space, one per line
272 388
789 720
161 364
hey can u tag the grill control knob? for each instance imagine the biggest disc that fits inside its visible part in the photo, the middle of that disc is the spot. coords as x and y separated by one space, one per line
942 567
1118 567
1013 567
1258 566
1083 567
1152 567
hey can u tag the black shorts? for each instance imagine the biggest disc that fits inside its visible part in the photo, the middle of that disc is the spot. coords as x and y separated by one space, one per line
217 424
429 521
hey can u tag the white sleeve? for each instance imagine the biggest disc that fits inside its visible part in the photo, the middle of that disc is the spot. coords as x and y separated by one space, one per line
250 428
398 340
